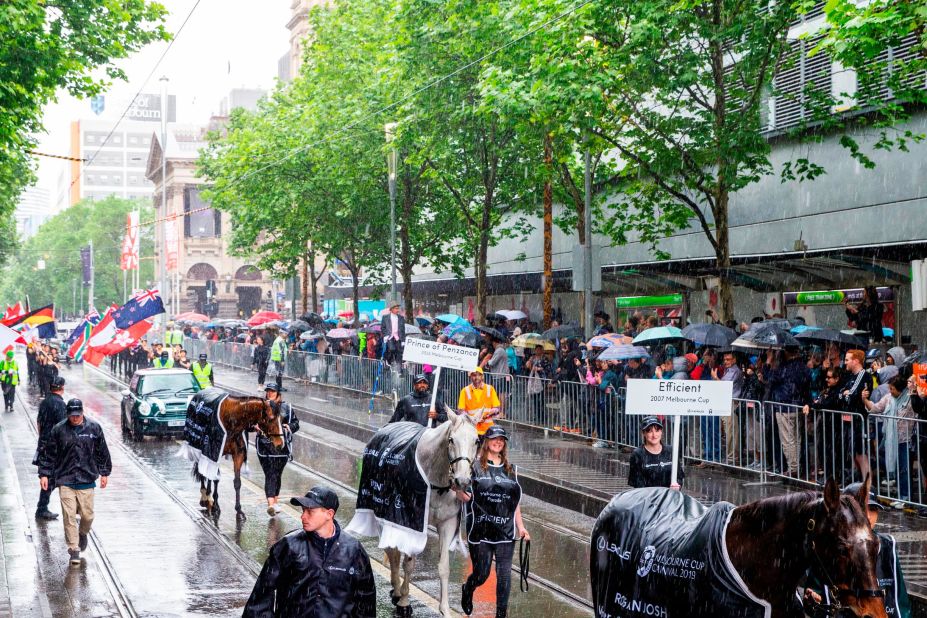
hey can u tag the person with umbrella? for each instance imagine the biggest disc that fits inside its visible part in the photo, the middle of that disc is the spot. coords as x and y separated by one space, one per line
393 331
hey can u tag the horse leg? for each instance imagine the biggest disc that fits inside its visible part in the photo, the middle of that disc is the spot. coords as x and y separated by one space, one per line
408 565
204 495
238 460
394 557
214 500
446 530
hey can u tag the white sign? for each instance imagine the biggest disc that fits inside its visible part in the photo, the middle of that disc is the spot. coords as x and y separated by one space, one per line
680 397
440 354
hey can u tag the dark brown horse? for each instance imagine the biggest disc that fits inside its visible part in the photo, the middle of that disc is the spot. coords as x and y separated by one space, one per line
774 542
237 415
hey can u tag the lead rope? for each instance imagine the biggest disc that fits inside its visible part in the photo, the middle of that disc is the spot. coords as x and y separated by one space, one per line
524 559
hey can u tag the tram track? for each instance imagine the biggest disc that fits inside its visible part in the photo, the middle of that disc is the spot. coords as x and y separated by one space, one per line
550 586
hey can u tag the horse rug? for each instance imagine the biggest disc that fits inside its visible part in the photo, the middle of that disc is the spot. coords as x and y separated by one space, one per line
659 552
203 431
393 495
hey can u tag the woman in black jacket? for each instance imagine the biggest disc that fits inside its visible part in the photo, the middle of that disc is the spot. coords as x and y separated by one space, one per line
868 314
261 358
823 427
652 462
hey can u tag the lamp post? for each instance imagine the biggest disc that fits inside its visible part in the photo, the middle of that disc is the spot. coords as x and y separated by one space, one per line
391 161
163 252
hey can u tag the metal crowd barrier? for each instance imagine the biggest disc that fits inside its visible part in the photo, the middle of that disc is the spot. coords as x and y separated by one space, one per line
774 439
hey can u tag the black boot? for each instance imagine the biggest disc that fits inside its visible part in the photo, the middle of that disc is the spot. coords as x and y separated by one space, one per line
466 599
501 612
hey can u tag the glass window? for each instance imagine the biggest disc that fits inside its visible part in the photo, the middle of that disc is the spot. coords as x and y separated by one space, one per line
200 220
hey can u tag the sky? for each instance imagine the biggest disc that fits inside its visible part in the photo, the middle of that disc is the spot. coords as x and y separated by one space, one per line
225 44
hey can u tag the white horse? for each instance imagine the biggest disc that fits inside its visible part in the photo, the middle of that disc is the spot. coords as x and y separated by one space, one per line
445 454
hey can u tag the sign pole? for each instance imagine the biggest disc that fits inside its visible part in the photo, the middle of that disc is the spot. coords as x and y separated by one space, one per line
676 431
434 395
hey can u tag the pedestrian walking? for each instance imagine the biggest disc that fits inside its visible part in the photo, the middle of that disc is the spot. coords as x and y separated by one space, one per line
261 358
9 379
317 572
416 406
651 463
274 460
52 411
202 371
75 456
393 331
494 519
278 351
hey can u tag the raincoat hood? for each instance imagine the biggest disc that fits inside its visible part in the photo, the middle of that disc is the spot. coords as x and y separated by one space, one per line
897 354
887 373
680 364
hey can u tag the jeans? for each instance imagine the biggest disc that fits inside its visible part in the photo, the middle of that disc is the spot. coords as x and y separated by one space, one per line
482 555
711 434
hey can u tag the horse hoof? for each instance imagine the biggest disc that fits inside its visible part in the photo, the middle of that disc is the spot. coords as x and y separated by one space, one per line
404 612
393 597
240 516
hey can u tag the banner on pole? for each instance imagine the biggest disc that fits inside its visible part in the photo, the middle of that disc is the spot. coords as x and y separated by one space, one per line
440 354
679 397
130 244
86 262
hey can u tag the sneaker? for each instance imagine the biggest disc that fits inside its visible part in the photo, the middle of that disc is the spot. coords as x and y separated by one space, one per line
888 483
898 505
74 556
922 512
82 542
46 514
278 509
596 444
271 510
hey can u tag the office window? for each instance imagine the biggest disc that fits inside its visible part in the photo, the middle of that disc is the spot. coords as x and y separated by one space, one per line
197 222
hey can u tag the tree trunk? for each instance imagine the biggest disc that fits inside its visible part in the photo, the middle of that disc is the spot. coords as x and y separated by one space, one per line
407 293
723 257
480 273
305 287
405 249
548 231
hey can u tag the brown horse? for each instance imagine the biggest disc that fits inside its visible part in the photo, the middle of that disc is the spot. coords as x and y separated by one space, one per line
238 414
774 542
656 551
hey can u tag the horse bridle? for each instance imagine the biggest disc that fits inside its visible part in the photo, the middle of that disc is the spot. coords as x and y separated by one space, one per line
824 574
450 471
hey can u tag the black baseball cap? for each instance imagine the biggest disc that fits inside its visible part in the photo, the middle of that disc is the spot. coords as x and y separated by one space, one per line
317 497
650 420
57 382
165 354
202 357
420 378
272 386
75 407
495 432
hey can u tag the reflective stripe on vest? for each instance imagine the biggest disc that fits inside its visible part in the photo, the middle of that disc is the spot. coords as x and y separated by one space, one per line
202 374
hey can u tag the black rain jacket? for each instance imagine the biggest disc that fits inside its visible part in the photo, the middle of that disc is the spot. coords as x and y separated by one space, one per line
52 411
75 455
414 408
298 581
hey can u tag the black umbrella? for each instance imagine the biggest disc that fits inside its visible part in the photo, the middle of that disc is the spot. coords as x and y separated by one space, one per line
766 337
714 335
828 335
492 332
564 331
300 325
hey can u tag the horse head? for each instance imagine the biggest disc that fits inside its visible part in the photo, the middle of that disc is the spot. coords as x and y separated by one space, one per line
843 550
270 425
462 443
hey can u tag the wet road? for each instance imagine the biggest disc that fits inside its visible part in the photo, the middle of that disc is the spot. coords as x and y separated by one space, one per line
168 559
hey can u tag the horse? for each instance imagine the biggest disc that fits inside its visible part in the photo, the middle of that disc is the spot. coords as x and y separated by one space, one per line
237 415
662 551
445 455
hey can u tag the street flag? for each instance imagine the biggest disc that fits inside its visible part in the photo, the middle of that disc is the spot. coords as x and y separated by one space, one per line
8 337
90 319
42 318
100 335
130 244
13 312
79 345
125 338
143 305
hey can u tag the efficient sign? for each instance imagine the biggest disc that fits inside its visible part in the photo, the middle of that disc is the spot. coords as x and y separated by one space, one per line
680 397
440 354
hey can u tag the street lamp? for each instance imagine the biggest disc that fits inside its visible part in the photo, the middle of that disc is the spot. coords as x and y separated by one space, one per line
391 163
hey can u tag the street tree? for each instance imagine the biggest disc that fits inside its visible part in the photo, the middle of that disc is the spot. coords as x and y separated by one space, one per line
53 46
57 245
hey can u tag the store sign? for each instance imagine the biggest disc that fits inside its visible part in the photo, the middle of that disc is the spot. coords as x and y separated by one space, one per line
679 397
147 107
834 297
637 302
440 354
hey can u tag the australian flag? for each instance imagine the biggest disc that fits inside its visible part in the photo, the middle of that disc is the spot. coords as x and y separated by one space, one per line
144 304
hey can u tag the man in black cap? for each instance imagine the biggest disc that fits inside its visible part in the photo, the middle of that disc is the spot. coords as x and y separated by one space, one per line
316 572
416 406
75 456
272 460
202 371
164 361
52 411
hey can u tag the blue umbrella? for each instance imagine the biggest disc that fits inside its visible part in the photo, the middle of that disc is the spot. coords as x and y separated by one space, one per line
424 321
801 328
623 352
888 332
448 318
331 321
659 334
461 332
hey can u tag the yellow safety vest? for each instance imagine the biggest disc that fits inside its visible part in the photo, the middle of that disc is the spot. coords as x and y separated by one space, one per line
159 364
202 373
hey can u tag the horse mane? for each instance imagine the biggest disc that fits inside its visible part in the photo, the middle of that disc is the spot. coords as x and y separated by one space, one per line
774 510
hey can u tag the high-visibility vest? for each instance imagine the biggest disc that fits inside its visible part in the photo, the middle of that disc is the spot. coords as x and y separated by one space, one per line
10 372
162 364
202 373
278 350
177 337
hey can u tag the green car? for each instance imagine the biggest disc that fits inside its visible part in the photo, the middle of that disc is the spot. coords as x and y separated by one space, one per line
155 404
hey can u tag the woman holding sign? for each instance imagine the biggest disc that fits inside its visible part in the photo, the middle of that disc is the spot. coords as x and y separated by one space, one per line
493 519
651 462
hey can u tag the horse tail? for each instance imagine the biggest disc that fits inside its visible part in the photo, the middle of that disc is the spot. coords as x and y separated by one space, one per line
195 473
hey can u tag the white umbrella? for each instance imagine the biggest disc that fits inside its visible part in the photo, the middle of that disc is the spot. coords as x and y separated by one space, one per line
512 314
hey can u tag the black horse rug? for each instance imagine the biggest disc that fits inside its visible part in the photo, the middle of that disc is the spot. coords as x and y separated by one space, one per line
659 552
204 434
393 495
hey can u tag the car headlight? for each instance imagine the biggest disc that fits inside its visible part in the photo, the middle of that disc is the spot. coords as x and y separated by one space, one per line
144 408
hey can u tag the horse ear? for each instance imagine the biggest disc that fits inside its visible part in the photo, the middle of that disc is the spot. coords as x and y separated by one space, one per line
862 495
831 495
451 414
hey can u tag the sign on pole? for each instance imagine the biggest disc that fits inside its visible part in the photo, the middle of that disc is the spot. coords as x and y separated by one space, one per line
440 355
678 398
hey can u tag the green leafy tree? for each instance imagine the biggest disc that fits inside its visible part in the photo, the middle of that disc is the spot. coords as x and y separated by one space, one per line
58 243
49 46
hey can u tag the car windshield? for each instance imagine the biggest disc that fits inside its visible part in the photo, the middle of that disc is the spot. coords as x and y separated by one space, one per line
167 383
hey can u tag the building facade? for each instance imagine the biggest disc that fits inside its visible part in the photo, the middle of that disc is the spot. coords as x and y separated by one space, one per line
33 209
